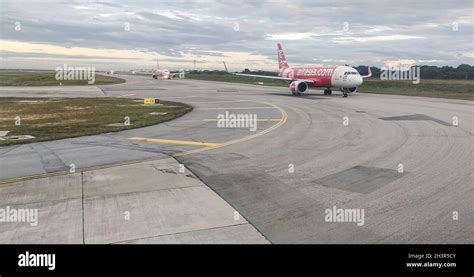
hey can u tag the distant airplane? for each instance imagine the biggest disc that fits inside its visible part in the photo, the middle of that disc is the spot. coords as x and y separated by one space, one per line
160 73
345 78
166 74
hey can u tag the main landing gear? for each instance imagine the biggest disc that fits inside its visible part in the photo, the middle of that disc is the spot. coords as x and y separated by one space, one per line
327 91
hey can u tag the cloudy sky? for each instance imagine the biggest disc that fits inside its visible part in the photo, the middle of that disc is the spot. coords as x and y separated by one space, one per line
132 34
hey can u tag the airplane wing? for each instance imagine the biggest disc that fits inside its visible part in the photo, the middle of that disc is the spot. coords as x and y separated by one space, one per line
269 77
368 75
274 77
142 73
178 74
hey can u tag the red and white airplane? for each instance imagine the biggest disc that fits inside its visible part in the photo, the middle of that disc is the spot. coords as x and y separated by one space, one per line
345 78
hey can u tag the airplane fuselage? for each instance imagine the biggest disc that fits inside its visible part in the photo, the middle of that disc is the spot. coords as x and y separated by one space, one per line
162 73
325 76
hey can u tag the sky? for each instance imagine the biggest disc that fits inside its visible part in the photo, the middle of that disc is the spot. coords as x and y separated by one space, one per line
124 35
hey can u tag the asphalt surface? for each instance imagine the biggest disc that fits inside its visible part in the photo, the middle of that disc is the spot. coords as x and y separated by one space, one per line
308 154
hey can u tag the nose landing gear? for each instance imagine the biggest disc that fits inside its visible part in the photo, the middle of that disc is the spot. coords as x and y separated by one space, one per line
345 92
327 91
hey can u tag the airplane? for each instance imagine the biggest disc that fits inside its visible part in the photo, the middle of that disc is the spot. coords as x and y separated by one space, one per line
345 78
165 73
160 73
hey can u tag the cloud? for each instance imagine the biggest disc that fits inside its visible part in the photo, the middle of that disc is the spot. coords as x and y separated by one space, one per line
395 63
352 39
468 54
356 32
289 36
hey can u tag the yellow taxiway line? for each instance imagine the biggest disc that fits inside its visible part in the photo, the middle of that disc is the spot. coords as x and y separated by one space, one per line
282 120
209 146
172 141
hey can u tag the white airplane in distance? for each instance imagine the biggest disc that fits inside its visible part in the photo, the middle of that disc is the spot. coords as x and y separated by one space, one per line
165 74
160 73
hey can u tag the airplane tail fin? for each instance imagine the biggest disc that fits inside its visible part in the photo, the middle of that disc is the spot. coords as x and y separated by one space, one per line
282 64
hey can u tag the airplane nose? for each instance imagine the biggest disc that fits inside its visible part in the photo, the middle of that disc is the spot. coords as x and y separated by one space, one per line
359 80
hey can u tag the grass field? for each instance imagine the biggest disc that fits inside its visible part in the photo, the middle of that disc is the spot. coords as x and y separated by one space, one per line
49 119
453 89
47 78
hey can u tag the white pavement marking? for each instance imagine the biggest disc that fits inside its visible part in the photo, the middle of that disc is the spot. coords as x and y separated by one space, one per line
126 95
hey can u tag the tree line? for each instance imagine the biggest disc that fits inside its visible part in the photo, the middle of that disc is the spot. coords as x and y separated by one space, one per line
462 72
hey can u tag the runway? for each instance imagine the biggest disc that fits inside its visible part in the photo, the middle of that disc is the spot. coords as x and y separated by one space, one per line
308 154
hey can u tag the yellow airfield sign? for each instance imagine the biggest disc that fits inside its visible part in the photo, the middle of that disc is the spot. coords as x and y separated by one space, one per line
151 101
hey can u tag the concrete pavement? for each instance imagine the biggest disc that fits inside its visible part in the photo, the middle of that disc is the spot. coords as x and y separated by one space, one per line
354 165
149 202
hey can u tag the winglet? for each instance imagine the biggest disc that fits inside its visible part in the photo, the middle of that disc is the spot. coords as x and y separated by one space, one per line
370 73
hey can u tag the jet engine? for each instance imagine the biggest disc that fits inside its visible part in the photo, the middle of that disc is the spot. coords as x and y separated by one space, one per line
298 87
348 90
